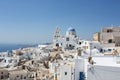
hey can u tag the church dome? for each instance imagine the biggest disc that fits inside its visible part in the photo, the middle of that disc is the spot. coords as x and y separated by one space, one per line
71 29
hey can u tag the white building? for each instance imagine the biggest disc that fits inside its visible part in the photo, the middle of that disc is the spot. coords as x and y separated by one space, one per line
9 60
104 68
18 75
6 54
93 46
62 69
72 42
68 41
79 70
66 72
4 75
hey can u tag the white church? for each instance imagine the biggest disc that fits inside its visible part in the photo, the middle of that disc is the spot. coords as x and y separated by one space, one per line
71 41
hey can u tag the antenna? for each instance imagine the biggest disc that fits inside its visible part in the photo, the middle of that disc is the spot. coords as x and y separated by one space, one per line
90 48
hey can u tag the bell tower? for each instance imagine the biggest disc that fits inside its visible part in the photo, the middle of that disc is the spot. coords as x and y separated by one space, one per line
57 37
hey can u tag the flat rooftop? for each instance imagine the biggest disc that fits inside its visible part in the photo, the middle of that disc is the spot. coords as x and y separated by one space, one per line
112 61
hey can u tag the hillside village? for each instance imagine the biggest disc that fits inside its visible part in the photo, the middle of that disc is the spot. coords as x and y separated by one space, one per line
68 57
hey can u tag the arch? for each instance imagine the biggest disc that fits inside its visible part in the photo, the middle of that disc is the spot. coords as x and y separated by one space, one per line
57 44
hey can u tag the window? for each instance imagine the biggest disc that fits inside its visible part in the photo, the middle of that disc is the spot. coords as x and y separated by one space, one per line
8 75
23 67
57 44
24 77
67 39
32 62
72 73
109 31
21 76
1 72
117 45
109 50
65 73
70 45
5 61
110 41
79 43
2 77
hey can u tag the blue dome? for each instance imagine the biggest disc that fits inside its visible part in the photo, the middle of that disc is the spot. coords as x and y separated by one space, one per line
71 29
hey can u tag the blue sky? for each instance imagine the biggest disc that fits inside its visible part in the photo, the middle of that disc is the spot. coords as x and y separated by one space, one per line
34 21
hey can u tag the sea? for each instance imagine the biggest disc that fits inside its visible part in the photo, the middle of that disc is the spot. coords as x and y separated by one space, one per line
9 47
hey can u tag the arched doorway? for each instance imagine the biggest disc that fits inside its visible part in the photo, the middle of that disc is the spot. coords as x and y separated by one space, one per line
57 44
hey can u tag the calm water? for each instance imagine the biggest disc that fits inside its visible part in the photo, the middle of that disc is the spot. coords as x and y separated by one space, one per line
6 47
